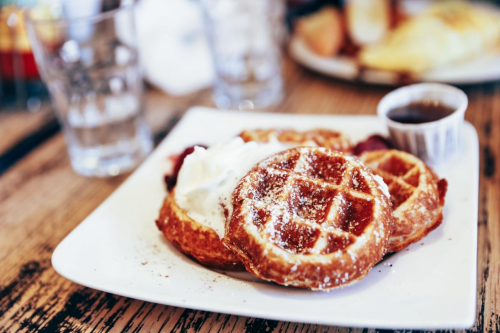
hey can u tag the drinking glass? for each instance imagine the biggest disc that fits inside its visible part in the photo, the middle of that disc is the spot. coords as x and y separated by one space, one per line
91 67
245 39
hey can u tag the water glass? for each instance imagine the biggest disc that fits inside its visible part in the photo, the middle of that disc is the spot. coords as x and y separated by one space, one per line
245 39
91 67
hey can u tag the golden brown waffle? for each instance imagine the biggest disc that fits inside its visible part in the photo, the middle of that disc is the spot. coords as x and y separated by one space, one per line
309 217
417 194
194 239
201 242
315 137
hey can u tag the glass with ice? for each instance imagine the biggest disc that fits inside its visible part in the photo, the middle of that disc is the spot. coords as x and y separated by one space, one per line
90 65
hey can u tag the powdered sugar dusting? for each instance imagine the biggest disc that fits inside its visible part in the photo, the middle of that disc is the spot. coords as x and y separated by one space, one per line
382 185
312 201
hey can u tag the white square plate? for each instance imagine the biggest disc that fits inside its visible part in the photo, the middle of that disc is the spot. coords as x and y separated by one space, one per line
432 285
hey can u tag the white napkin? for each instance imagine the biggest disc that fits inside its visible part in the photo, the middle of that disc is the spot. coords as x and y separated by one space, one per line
173 47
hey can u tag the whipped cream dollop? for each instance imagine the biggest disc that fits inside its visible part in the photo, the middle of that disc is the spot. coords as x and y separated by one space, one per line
208 178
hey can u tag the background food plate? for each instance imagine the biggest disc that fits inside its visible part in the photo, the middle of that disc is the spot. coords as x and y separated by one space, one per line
431 285
485 68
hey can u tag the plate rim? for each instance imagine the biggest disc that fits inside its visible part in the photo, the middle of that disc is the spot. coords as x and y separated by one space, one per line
305 57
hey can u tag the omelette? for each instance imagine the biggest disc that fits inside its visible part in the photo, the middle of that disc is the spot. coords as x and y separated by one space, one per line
448 32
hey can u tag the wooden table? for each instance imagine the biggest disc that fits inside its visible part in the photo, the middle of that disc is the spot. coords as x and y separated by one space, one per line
42 200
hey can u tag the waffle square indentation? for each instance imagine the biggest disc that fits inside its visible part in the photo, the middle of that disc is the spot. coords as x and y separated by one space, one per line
354 213
310 201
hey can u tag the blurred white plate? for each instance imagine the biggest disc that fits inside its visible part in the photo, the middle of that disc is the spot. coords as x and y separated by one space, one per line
485 68
118 248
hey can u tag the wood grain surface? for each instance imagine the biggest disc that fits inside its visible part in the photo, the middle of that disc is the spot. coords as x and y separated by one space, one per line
42 200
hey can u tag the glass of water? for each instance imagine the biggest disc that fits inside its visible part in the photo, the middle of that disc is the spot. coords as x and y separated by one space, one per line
245 38
90 65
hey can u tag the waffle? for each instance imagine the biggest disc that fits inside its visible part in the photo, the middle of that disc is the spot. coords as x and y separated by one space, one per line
309 217
194 239
417 195
315 137
202 243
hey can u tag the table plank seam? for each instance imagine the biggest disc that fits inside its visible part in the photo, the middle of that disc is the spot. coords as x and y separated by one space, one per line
28 144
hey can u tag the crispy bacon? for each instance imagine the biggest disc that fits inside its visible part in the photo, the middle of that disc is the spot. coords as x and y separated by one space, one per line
374 142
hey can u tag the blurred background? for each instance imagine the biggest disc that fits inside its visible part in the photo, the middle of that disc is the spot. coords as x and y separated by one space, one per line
94 58
173 43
